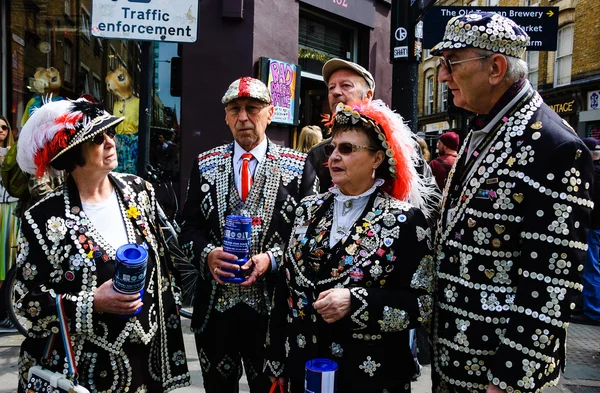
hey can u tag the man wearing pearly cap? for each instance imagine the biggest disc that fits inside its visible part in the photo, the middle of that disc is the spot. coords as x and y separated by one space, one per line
511 239
253 177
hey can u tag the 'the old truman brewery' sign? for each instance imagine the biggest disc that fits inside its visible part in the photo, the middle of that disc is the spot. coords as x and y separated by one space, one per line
150 20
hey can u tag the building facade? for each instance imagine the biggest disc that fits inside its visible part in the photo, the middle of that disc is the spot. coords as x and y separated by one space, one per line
41 36
304 32
568 79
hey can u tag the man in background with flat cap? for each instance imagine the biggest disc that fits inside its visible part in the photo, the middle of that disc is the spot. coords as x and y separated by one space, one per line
348 83
512 235
254 177
589 309
447 146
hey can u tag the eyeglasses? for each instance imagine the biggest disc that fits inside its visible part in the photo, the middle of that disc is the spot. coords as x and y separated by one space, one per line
447 64
250 109
4 127
98 139
344 148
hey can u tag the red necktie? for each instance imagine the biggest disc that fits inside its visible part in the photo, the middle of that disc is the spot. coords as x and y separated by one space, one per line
246 175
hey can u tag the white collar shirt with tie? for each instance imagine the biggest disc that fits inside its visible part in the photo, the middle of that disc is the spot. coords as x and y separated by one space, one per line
259 153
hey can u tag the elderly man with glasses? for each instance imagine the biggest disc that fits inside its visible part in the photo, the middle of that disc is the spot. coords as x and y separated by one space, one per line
511 239
252 177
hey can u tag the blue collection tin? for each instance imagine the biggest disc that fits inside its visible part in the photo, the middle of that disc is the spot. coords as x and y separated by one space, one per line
320 376
130 270
236 241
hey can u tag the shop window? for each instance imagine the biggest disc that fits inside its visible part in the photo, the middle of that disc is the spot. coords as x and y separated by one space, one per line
98 47
320 40
68 60
564 56
84 79
533 65
52 53
112 58
67 4
443 92
97 87
85 24
429 96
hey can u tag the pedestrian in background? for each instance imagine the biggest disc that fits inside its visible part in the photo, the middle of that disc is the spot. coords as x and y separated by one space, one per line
424 149
511 240
590 311
9 228
309 136
447 146
253 177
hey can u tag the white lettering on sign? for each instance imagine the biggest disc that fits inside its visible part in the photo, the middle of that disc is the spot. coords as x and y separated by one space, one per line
151 20
400 52
341 3
419 30
525 14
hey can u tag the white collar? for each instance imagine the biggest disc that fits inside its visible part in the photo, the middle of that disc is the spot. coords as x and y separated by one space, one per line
340 196
259 152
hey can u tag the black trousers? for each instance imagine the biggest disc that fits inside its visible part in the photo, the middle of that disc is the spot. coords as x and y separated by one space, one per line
231 339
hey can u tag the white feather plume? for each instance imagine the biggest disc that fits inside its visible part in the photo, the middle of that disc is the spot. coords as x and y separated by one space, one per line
40 129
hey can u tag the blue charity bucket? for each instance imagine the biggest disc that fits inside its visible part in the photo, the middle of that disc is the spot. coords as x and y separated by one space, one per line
320 376
130 270
236 241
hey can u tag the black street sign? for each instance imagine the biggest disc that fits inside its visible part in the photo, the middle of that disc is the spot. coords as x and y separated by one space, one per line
406 34
541 23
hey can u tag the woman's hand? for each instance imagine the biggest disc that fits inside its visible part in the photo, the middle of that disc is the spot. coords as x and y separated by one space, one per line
260 264
493 389
333 304
106 299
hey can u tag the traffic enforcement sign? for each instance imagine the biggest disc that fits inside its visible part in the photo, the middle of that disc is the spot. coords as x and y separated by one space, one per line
541 23
148 20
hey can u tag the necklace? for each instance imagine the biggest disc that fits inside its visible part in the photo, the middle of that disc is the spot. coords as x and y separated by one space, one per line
342 231
347 207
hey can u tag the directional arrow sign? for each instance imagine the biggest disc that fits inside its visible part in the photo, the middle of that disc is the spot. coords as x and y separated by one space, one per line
541 23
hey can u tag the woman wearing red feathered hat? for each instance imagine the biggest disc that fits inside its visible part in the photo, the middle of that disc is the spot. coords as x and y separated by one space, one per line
67 248
358 273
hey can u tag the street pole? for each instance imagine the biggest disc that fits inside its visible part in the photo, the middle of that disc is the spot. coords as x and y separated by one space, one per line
405 60
146 99
405 92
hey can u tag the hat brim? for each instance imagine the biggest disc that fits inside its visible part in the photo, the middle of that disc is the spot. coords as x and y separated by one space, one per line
335 64
96 127
442 46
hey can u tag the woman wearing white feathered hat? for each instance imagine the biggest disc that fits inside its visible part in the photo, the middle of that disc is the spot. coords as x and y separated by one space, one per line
67 248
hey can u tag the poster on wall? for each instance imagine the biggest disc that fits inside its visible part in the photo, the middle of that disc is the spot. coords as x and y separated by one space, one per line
283 82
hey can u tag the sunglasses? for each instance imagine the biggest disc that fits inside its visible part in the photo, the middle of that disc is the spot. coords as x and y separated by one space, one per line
447 64
344 148
4 127
98 139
